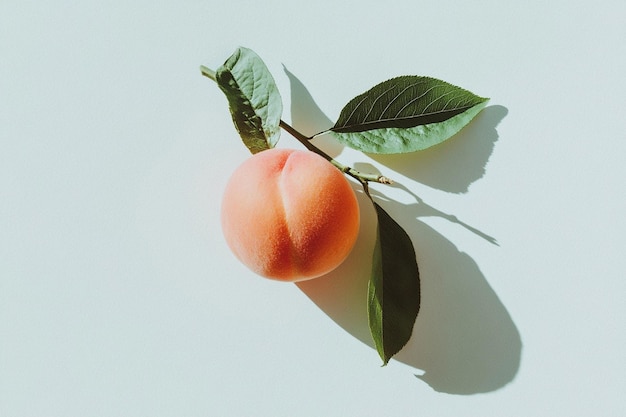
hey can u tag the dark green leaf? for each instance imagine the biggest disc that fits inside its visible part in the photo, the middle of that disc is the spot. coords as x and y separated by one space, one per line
394 287
406 114
255 103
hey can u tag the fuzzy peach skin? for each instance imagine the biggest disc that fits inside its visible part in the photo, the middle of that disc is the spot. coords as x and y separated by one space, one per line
289 215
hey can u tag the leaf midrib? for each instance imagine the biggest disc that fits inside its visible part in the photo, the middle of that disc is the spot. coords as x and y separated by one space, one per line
362 126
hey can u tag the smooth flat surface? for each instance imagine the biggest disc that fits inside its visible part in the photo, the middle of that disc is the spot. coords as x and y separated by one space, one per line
118 295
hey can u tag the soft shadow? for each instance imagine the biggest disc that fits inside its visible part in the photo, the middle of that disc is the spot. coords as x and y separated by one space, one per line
456 163
451 166
342 294
308 118
464 339
427 210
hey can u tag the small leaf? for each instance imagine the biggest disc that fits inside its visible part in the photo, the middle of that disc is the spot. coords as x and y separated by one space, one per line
394 287
255 103
406 114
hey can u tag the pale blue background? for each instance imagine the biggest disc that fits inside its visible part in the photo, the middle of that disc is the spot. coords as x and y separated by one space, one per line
118 296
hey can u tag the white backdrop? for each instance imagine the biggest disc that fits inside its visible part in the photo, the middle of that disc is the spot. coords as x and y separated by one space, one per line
118 295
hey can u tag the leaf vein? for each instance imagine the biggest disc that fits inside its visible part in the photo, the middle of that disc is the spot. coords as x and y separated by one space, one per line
375 100
416 99
399 94
435 100
354 110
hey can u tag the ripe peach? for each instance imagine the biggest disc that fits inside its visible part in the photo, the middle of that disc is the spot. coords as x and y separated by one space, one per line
289 215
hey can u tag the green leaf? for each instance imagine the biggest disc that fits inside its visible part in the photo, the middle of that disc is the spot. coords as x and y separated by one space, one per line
394 287
406 114
255 103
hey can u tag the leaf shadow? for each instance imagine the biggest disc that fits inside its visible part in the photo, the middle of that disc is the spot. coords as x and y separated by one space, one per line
456 163
451 166
464 340
308 118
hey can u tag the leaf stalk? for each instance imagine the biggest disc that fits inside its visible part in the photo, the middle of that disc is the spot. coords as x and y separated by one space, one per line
208 72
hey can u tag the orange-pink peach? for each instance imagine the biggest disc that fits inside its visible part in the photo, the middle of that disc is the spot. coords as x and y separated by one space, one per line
289 215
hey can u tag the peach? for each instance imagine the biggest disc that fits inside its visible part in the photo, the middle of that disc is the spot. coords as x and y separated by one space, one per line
289 215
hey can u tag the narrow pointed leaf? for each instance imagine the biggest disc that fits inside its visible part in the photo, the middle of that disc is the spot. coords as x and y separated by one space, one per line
406 114
254 101
394 287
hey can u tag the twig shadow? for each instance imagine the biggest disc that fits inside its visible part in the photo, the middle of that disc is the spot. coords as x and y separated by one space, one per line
464 340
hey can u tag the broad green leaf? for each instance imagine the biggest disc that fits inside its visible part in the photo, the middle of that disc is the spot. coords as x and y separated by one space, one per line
406 114
255 103
394 287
